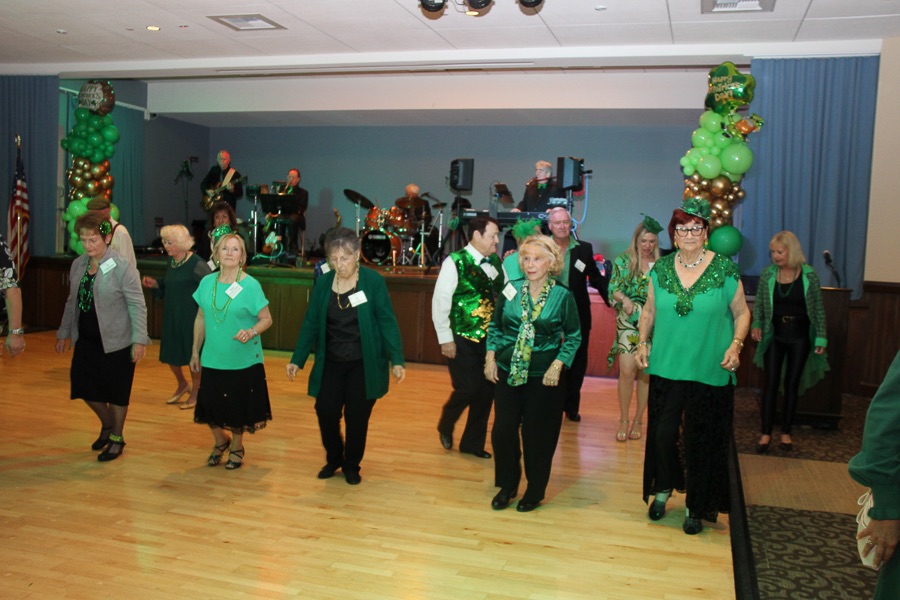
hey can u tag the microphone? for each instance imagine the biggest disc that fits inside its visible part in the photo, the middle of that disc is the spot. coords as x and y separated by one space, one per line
828 263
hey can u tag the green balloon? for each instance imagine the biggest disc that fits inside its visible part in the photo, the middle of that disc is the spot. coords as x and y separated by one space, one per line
701 138
726 240
95 122
76 209
111 134
709 166
720 140
82 114
711 121
114 212
75 245
737 158
97 156
95 140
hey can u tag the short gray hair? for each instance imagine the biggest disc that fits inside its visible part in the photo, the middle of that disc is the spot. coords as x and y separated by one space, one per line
341 238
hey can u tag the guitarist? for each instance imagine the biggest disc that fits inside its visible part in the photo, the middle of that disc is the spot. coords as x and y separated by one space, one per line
222 182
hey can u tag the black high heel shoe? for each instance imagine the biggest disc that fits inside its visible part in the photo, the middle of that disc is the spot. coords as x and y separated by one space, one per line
231 465
763 448
218 452
101 442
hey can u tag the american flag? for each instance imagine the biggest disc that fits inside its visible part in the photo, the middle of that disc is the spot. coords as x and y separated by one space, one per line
19 217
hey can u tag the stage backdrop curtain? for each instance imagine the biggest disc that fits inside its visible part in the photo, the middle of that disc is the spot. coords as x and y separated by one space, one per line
126 167
28 107
812 162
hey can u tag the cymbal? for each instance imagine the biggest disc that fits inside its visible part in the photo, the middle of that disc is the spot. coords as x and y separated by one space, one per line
357 198
439 205
410 203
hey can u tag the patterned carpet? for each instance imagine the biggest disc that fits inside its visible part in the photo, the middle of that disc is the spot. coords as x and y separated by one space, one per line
801 554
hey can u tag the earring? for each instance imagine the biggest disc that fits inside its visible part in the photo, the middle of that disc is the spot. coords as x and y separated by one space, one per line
706 244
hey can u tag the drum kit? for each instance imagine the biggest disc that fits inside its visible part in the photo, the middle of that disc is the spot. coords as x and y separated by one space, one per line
403 234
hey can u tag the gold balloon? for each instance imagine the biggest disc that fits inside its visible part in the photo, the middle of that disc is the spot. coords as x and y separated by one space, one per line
98 171
718 222
741 194
696 177
704 184
90 188
720 186
77 181
106 182
726 213
718 205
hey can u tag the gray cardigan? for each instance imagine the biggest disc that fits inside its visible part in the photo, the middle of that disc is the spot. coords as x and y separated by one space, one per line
119 300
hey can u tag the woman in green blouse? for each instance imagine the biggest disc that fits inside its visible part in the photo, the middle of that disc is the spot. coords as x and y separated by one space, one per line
628 291
698 318
534 333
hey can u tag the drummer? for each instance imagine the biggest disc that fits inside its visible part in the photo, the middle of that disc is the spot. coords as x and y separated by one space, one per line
416 206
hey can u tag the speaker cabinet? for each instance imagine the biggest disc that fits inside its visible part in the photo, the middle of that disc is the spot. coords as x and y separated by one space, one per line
461 170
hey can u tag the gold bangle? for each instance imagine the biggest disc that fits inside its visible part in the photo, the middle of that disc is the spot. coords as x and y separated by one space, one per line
739 342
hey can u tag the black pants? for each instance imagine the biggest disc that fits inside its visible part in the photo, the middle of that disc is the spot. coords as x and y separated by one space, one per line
539 410
344 391
470 390
575 374
789 348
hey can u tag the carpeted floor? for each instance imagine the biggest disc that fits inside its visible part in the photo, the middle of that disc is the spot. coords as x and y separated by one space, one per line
803 554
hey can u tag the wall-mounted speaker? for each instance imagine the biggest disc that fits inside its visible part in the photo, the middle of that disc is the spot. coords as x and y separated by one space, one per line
461 170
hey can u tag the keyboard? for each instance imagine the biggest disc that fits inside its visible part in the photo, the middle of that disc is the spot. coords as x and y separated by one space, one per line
504 218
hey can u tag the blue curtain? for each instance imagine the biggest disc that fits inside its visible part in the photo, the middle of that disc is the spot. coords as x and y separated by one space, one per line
28 106
812 162
126 165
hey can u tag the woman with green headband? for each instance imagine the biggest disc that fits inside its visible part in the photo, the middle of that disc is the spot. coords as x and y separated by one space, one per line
628 292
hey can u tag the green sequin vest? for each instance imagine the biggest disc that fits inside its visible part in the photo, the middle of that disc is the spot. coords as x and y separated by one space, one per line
473 299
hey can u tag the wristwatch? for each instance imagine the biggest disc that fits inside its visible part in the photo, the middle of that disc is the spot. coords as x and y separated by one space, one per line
16 332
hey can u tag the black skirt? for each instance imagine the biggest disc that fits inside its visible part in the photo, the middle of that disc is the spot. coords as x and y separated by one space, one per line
100 377
234 399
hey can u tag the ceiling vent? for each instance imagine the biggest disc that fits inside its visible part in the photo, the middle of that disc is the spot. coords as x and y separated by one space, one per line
733 6
247 22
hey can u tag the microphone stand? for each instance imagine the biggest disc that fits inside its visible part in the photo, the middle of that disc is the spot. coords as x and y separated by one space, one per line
185 174
834 272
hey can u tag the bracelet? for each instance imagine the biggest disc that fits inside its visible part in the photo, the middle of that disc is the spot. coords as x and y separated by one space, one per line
555 367
642 343
254 331
19 331
739 342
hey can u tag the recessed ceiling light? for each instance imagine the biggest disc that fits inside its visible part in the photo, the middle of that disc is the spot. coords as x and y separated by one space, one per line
600 8
246 22
152 27
61 31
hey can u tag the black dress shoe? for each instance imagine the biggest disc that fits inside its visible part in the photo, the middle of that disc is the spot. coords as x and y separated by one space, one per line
692 525
525 506
107 455
786 446
101 442
446 441
657 510
327 472
352 478
478 453
762 448
503 498
574 417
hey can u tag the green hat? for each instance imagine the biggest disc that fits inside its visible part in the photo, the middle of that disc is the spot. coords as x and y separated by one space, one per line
523 228
696 207
651 224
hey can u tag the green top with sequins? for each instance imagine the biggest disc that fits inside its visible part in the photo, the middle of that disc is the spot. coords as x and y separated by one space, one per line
693 327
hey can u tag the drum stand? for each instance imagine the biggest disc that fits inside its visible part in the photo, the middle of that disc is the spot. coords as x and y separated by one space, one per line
422 250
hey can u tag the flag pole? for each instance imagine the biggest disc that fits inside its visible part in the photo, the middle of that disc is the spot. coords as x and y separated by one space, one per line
18 217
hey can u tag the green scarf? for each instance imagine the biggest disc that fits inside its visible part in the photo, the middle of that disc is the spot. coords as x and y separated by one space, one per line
521 358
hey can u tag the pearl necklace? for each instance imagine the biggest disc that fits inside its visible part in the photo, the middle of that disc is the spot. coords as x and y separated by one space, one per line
693 264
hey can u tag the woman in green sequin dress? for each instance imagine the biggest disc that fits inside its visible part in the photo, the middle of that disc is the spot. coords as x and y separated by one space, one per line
698 318
628 292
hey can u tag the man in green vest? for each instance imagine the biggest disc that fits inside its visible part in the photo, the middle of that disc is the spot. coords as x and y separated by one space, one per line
462 306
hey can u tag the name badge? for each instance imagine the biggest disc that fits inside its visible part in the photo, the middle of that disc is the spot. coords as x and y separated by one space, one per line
212 265
580 265
490 271
108 265
233 290
357 298
509 291
325 268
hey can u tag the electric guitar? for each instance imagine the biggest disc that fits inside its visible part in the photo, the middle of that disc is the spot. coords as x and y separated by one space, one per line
214 195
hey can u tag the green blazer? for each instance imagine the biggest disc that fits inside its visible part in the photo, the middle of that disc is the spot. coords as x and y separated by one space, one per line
378 330
816 364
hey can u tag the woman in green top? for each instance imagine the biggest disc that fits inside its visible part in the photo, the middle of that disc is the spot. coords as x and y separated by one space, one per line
535 332
698 318
184 270
628 292
350 323
878 467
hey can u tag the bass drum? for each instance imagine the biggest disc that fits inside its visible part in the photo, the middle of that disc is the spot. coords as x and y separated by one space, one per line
379 247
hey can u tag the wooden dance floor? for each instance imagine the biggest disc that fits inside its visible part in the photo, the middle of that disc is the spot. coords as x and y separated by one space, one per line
159 523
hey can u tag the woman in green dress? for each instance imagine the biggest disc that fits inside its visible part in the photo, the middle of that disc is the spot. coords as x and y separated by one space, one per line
698 318
184 270
628 292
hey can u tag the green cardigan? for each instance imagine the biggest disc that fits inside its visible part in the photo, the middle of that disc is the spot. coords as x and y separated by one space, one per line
378 330
816 364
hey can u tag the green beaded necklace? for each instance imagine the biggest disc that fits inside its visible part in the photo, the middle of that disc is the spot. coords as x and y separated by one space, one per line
780 287
86 290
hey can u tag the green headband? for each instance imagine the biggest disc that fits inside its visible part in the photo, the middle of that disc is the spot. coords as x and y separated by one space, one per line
522 229
219 231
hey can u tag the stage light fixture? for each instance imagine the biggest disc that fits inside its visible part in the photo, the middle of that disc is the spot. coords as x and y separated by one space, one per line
433 6
531 3
478 4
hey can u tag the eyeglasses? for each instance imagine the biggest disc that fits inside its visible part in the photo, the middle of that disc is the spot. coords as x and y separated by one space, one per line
696 230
